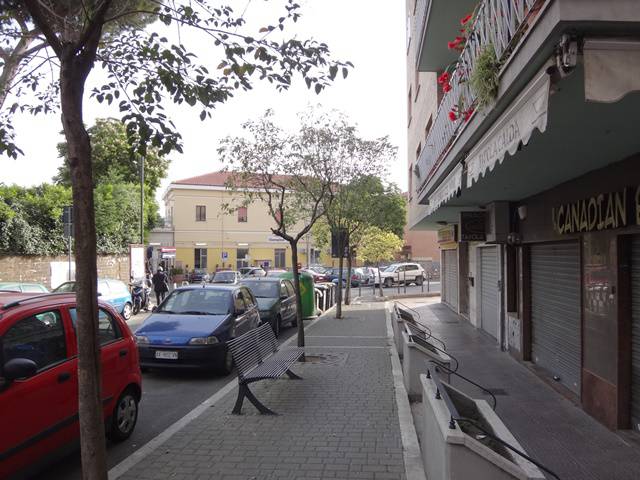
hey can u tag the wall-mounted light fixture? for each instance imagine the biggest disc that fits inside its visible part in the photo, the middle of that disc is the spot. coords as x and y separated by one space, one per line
243 244
522 212
200 244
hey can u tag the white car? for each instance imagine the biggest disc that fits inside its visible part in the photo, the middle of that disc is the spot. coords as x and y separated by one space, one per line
403 273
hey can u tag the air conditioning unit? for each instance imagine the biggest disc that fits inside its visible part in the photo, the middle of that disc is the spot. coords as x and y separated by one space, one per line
497 218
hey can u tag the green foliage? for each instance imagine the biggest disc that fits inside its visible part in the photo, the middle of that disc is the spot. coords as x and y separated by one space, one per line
484 79
114 159
30 218
379 246
321 234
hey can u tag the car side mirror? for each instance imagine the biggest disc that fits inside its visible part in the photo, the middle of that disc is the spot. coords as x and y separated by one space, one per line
19 368
154 309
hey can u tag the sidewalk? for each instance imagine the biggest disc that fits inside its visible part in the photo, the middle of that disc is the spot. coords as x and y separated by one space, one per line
551 428
341 421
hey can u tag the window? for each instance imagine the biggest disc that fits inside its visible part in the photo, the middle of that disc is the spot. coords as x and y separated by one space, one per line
108 330
39 338
417 84
418 150
290 289
410 182
242 258
427 129
242 214
283 290
201 213
280 257
238 302
200 258
249 301
409 102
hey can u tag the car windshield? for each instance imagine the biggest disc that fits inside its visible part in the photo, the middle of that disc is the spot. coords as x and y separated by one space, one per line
201 301
224 277
391 268
264 289
66 287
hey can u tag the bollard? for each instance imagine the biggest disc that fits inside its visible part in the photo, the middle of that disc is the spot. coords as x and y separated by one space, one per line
405 281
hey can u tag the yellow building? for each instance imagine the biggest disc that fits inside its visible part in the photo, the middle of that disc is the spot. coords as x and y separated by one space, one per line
207 236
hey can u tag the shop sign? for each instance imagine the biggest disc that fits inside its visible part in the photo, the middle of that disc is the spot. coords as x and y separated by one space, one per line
472 227
605 211
447 234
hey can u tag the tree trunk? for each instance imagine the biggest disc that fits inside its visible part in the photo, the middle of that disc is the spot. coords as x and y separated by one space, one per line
340 277
92 434
296 284
347 293
379 279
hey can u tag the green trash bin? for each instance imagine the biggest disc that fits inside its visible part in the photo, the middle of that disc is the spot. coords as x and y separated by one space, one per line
306 292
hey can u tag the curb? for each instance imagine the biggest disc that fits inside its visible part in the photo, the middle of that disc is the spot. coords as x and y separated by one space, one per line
414 469
136 457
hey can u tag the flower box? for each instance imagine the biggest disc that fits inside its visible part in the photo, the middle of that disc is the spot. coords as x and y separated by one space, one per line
453 450
415 360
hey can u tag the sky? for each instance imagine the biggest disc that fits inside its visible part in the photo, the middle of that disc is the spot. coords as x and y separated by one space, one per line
369 33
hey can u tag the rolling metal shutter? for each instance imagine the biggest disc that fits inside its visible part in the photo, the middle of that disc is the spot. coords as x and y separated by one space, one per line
489 290
450 278
635 332
555 311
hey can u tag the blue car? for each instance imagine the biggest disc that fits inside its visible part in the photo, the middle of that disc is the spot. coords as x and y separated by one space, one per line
114 292
191 327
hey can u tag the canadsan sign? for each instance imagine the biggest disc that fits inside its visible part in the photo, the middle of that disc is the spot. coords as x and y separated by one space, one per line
604 211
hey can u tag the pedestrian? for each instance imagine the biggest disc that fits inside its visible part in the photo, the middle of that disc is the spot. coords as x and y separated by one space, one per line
160 284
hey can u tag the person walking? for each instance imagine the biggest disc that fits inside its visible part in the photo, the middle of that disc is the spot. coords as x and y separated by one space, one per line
160 284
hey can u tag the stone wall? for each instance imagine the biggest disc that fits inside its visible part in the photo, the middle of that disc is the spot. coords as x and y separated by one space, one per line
40 268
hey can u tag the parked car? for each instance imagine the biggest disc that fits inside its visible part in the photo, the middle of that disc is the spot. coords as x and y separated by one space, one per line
275 272
230 277
317 277
246 272
110 290
192 326
276 301
372 275
198 275
403 273
23 287
39 378
357 277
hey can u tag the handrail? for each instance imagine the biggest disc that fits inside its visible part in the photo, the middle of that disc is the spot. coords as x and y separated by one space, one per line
497 23
414 337
426 328
443 394
408 308
449 371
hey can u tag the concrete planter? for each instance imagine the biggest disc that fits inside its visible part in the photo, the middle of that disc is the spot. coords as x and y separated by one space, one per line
415 360
397 324
453 454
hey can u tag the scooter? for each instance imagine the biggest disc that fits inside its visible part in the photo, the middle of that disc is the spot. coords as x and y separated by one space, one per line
140 297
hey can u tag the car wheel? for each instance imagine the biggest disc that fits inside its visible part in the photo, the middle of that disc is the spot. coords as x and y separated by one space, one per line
136 308
126 311
276 326
124 417
388 282
227 364
419 280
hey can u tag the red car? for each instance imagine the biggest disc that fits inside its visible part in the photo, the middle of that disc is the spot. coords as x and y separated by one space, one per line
39 378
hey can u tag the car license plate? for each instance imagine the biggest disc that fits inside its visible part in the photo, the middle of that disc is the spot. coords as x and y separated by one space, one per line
167 355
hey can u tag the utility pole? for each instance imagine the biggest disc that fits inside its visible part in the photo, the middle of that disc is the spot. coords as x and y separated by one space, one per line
308 251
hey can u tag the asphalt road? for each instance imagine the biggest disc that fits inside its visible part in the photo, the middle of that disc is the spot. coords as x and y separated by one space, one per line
166 397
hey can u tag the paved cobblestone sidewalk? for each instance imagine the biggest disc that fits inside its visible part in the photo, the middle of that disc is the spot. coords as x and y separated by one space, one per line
341 421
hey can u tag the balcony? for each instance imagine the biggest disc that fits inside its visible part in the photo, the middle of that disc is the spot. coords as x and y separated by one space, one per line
503 24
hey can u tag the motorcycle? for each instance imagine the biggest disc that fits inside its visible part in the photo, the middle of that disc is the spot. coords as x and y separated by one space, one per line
140 297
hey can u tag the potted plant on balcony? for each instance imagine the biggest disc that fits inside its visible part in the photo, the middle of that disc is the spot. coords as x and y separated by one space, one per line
484 81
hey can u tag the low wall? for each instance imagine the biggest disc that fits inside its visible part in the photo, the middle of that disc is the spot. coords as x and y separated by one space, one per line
53 270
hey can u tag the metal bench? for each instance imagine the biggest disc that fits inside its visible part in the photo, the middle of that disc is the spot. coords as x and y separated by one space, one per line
257 357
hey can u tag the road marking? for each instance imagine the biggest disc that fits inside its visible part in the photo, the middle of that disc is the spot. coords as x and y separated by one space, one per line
148 448
414 469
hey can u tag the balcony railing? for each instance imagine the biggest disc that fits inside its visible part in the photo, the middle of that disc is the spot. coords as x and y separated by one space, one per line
500 23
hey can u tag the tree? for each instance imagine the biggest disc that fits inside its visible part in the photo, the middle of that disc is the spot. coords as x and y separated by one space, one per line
379 246
294 174
145 70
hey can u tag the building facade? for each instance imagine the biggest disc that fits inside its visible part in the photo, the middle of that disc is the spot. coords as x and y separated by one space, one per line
534 188
208 235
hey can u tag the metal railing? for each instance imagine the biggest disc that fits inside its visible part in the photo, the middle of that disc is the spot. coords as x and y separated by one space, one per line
454 417
500 23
